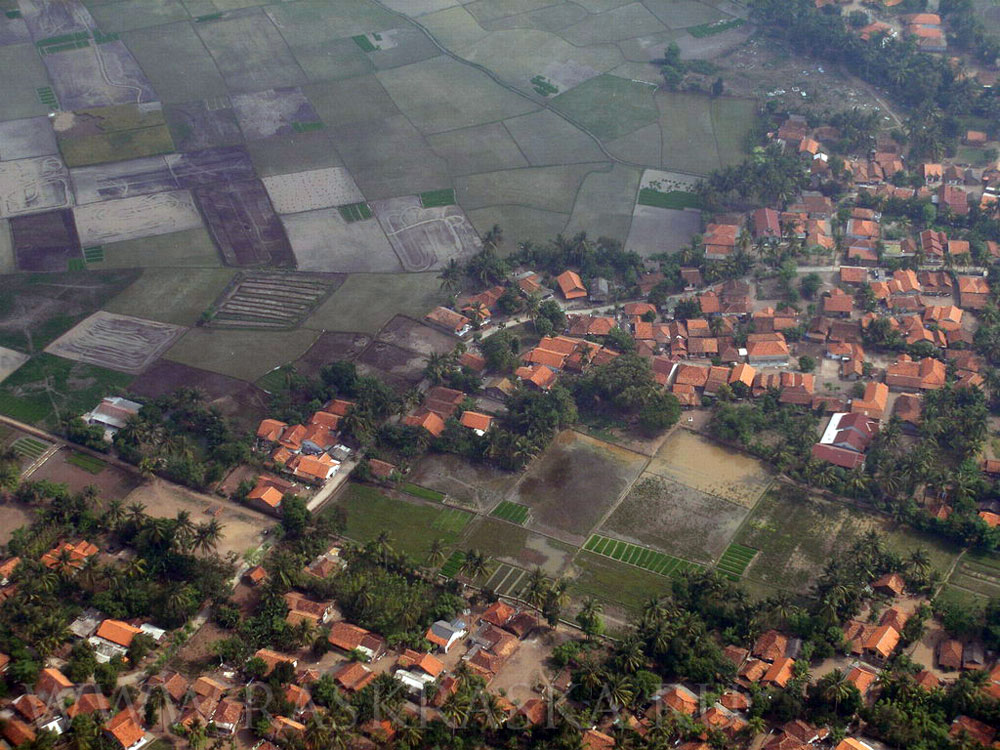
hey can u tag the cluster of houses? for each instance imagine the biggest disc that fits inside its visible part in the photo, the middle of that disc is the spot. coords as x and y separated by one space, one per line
310 453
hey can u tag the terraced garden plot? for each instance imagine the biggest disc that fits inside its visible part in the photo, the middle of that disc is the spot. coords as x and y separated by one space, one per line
977 576
640 557
513 512
676 199
453 564
735 560
271 300
30 448
86 462
507 580
452 520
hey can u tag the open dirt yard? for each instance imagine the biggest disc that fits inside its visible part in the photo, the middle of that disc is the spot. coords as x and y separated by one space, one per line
111 482
478 485
133 218
331 347
281 111
10 360
426 238
118 342
574 483
33 184
661 230
323 240
409 334
27 138
242 528
13 517
700 464
676 519
518 546
308 191
400 368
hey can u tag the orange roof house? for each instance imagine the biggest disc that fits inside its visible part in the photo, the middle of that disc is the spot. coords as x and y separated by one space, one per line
117 632
270 430
780 672
449 321
73 554
571 285
91 702
539 376
742 373
353 676
973 292
770 646
313 469
51 682
680 699
426 663
30 706
478 423
17 733
906 374
874 401
126 730
428 420
882 642
348 637
273 658
267 494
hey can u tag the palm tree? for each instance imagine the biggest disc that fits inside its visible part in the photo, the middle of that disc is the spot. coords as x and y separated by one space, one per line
207 535
835 688
456 710
136 513
450 276
435 555
537 590
410 733
476 565
919 561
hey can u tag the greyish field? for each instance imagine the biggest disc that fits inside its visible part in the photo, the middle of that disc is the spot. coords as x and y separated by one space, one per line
298 172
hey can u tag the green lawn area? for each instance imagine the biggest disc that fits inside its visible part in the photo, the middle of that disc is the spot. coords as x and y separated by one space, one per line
422 492
438 198
47 387
677 199
708 29
624 585
411 526
172 295
513 512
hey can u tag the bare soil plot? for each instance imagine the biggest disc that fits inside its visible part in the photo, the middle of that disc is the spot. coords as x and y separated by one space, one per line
325 241
351 308
46 242
545 138
409 334
480 486
419 93
13 517
676 519
117 342
285 154
157 174
33 185
574 483
250 52
13 30
271 300
240 401
605 202
241 528
133 218
692 460
27 138
426 238
10 360
111 482
354 100
111 133
48 19
516 545
98 75
481 148
389 157
315 189
177 63
281 111
247 354
331 347
21 92
661 230
609 106
138 14
401 368
203 124
244 225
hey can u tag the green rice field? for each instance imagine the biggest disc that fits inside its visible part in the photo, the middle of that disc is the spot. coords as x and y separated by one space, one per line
735 560
513 512
453 564
437 198
677 199
355 212
451 520
640 557
87 463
